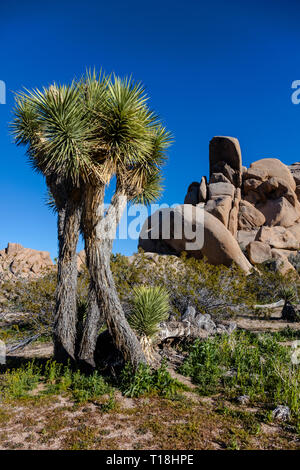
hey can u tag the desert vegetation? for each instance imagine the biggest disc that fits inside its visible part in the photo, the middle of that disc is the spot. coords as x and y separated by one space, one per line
220 390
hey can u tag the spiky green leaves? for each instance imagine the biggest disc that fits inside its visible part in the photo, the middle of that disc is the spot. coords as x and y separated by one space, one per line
149 171
150 307
127 122
25 127
89 131
63 140
288 293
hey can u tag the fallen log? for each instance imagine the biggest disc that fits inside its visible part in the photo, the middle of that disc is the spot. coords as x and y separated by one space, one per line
280 303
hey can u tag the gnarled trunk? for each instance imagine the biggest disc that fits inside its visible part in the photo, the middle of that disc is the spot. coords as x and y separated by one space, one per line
94 321
64 334
98 247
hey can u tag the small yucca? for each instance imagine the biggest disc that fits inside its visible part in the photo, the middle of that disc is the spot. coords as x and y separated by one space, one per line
288 294
150 307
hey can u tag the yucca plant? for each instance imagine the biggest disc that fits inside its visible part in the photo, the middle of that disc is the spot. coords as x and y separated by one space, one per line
81 137
150 307
288 294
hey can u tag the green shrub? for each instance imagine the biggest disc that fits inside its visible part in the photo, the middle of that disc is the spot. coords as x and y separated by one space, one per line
286 334
217 290
37 297
82 387
85 388
55 378
18 382
245 364
147 381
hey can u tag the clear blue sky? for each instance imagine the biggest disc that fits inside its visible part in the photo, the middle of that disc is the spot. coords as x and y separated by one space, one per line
211 68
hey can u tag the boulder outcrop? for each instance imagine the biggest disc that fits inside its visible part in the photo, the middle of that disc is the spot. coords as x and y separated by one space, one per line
214 242
17 261
258 207
26 263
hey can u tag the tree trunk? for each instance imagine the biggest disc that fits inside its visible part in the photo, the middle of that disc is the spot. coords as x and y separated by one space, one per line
98 247
91 328
64 335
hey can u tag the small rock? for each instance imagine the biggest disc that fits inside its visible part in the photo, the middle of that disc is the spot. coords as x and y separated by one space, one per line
209 326
282 413
231 327
243 399
228 329
207 316
230 373
205 322
189 314
221 329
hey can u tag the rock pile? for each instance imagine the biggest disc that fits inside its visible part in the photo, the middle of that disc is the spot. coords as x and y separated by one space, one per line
17 261
194 325
251 215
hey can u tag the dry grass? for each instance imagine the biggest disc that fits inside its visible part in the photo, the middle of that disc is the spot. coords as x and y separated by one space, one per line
147 423
188 422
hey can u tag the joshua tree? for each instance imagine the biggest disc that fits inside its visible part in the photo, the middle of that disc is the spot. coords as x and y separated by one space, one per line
131 148
57 133
81 137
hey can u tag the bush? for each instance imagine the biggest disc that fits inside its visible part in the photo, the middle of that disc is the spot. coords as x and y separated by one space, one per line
83 388
288 294
245 364
37 298
217 290
146 381
18 382
56 378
